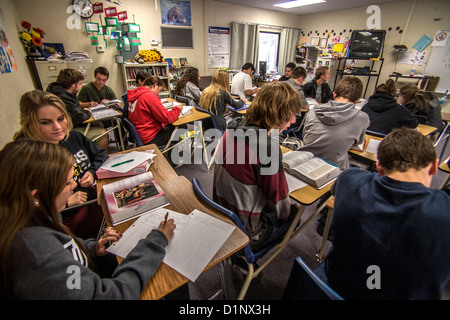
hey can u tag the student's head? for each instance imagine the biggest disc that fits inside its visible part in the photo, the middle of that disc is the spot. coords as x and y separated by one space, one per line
388 87
248 68
323 73
405 149
414 99
220 81
154 83
70 79
288 69
298 75
140 77
43 117
275 106
350 88
191 74
101 76
37 180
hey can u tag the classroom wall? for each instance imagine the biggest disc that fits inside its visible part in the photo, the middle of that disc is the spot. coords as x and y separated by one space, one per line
51 16
13 84
414 17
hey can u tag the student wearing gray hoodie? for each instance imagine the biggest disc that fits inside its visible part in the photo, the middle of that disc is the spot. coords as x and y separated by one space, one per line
331 129
39 257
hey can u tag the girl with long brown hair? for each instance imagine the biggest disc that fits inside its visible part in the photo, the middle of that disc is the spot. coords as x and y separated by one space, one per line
39 257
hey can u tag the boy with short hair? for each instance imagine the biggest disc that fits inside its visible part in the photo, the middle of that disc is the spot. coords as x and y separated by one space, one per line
96 91
331 129
318 88
242 82
393 223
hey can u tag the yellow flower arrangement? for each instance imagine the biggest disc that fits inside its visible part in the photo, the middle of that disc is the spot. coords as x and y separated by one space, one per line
31 37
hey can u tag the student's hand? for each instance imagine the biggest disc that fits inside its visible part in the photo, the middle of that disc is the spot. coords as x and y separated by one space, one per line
87 180
78 197
92 104
167 228
105 100
109 235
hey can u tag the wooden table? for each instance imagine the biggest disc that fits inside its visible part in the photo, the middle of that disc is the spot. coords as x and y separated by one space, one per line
182 199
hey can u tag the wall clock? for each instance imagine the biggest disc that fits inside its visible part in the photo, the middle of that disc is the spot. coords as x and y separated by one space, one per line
83 8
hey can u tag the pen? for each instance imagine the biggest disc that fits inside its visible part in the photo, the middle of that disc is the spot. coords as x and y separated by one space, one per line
120 163
167 215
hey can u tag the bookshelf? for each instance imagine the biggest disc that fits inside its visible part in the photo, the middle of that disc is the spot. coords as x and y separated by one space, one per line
161 70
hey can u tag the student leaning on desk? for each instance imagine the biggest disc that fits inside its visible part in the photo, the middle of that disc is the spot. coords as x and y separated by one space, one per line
40 257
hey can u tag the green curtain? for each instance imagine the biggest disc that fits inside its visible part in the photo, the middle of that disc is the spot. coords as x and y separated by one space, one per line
244 44
289 38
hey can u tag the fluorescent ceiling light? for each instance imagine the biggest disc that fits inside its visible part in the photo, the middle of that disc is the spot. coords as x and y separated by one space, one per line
297 3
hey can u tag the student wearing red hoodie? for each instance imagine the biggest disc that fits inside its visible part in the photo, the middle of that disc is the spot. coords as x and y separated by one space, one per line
147 113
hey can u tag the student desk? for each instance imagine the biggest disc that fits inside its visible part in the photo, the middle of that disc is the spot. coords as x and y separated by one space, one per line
183 199
372 157
444 166
305 196
115 126
195 115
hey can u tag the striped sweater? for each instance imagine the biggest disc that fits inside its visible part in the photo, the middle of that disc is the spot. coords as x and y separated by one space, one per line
249 178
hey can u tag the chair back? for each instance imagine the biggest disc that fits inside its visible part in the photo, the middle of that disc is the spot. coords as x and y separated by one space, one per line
421 118
133 134
183 99
207 123
376 134
304 284
250 255
125 104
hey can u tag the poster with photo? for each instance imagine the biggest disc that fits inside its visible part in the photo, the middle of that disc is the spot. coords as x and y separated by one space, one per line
7 61
176 12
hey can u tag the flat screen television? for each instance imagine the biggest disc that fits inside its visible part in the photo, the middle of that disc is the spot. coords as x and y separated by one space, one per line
366 44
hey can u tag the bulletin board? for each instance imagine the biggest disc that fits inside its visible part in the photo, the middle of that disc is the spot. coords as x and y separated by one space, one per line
439 65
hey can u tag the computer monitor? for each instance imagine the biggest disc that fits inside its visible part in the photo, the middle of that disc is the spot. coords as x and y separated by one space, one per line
262 68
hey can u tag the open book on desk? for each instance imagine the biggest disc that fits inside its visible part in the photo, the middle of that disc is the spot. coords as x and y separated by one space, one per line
197 238
103 110
131 197
305 166
126 164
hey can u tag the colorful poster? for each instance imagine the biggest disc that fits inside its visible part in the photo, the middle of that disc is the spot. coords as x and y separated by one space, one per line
440 38
176 12
7 61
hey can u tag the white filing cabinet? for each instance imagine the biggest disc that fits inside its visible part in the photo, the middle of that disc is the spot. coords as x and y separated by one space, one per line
46 72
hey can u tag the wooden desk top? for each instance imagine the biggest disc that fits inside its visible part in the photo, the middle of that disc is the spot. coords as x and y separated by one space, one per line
194 116
445 116
307 195
426 130
182 199
444 166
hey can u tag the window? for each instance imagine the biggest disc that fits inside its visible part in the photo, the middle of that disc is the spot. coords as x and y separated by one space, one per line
268 50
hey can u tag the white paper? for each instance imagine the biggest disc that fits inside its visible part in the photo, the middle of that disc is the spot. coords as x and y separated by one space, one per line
197 238
202 237
143 226
372 147
294 183
136 156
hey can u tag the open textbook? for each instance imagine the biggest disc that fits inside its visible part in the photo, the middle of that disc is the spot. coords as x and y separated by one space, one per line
103 110
313 170
133 196
197 238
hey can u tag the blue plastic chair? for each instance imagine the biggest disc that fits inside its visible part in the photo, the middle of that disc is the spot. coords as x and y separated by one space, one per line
376 134
125 105
304 284
132 132
251 257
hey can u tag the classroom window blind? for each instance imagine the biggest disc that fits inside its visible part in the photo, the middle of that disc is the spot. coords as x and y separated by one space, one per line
176 37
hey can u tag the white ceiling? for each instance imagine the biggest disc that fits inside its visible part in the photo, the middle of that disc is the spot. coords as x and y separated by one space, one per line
330 5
